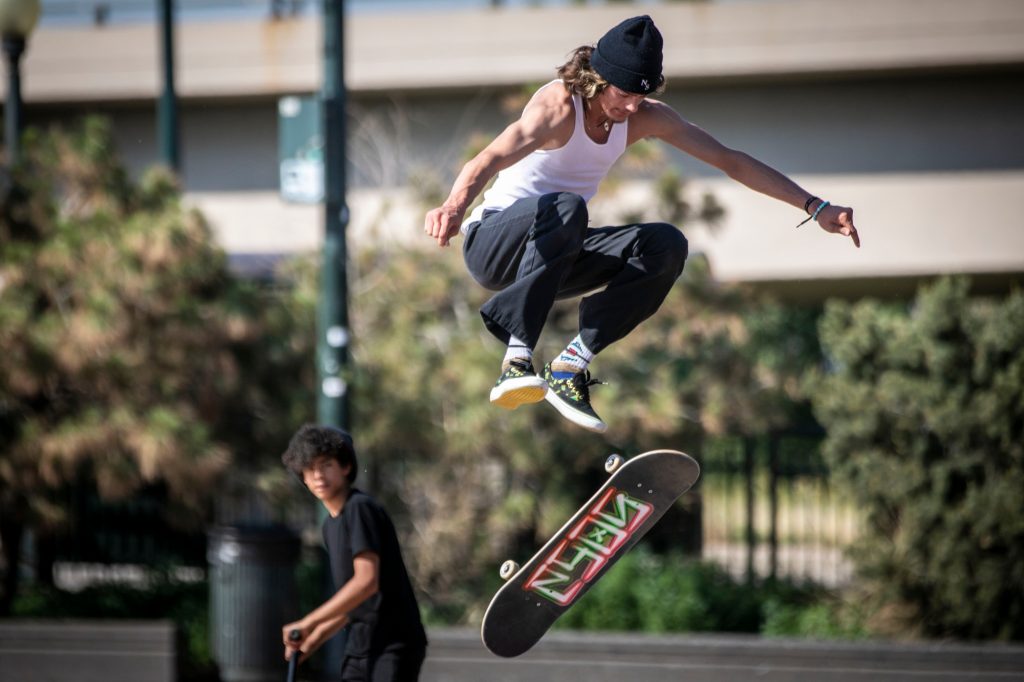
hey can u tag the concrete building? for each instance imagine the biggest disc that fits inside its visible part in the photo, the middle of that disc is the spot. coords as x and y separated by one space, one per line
910 111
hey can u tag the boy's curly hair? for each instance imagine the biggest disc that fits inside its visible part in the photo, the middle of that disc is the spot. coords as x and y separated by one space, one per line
312 441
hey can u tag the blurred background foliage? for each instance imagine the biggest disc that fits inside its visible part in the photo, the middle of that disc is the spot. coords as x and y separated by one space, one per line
924 409
134 362
132 358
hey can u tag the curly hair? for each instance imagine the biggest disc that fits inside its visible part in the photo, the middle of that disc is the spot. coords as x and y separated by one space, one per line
312 441
580 77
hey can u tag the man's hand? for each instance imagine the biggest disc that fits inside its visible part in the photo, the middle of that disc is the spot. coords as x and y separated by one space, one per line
442 223
311 637
839 220
291 645
316 638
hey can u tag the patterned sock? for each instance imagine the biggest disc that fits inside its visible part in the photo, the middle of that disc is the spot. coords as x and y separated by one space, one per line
517 350
573 360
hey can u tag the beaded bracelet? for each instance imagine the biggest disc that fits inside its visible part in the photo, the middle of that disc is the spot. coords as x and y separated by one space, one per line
816 212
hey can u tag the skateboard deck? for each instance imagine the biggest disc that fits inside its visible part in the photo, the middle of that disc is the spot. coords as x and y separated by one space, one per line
638 493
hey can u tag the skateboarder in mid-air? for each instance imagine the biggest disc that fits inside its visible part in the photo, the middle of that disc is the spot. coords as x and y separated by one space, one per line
374 598
529 238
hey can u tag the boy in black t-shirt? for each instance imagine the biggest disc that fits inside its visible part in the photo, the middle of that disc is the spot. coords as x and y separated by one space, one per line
374 598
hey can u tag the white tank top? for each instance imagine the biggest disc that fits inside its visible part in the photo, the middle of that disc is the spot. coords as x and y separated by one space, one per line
578 166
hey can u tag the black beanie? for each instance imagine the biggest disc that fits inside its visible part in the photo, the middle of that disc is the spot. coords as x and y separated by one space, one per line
629 56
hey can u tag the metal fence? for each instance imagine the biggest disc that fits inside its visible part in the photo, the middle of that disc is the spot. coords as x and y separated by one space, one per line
134 531
764 507
770 510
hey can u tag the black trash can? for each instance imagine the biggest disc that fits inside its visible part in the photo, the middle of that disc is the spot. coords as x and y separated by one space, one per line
252 594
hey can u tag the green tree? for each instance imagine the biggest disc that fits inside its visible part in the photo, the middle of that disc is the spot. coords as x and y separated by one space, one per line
130 356
716 360
924 409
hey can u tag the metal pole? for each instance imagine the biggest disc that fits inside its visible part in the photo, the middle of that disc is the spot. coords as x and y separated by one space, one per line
332 303
773 505
168 108
14 47
748 469
332 314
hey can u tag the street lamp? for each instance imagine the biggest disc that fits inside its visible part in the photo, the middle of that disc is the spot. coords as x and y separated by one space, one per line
17 19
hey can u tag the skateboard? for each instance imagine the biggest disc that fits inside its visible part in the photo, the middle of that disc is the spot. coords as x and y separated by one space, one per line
638 493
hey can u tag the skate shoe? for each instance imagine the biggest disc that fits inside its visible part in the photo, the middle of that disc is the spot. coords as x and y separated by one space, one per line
569 393
518 385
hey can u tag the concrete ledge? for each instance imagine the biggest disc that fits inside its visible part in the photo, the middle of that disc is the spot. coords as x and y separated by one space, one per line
87 651
896 241
433 49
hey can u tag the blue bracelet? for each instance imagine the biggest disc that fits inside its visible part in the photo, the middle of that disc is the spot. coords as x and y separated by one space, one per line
814 216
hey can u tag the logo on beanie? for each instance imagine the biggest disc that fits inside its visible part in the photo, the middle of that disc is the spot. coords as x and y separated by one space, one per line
645 84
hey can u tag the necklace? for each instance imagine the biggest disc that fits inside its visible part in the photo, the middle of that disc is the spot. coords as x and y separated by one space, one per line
607 125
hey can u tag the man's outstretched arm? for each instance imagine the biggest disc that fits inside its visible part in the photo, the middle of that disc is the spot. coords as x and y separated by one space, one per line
663 122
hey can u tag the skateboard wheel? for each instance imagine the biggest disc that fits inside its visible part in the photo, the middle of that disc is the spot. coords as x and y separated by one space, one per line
508 569
612 464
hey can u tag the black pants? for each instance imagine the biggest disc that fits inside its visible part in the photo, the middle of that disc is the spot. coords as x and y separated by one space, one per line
401 664
540 249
